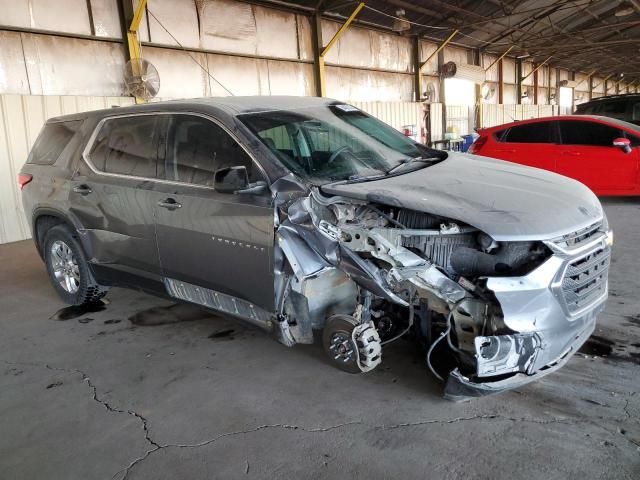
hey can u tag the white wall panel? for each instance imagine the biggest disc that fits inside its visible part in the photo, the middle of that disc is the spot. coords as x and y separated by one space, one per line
227 26
426 50
455 54
509 70
436 112
243 76
106 19
275 33
60 65
350 84
527 68
359 47
179 17
13 72
288 78
180 75
69 16
305 42
492 73
21 118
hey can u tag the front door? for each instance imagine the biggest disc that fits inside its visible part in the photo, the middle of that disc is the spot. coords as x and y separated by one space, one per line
219 241
587 154
530 144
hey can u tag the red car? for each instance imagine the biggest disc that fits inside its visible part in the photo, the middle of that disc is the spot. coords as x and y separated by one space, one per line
601 152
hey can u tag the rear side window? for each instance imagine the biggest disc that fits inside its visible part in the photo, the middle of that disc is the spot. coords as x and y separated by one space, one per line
574 132
613 108
51 142
530 133
126 146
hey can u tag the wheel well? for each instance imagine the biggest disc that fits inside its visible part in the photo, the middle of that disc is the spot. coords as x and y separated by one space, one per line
43 224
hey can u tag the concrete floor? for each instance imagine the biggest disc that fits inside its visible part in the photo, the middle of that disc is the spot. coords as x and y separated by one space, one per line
98 397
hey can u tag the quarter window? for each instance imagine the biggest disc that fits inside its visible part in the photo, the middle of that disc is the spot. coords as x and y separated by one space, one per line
588 133
614 108
126 146
51 142
530 133
197 147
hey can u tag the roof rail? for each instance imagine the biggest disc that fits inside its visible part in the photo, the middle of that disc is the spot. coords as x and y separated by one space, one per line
613 97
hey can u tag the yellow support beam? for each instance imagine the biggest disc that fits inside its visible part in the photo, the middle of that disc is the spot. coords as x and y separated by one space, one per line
500 57
132 38
321 75
442 45
342 29
536 69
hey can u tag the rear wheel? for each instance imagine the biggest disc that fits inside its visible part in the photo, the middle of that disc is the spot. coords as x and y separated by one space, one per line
68 268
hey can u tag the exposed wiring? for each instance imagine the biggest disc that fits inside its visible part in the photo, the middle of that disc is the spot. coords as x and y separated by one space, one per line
405 20
434 27
433 345
438 340
206 70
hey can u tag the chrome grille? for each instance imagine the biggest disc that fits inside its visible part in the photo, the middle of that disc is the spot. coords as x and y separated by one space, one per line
585 279
579 237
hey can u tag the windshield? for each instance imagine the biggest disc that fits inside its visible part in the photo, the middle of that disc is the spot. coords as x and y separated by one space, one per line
336 142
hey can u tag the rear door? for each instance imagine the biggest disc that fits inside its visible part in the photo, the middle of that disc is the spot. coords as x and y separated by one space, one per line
112 194
220 241
531 144
588 155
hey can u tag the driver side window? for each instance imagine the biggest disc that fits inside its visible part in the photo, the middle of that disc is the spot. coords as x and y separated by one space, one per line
197 147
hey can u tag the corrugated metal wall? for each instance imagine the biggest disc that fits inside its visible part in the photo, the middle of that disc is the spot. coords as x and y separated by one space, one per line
396 114
492 115
21 118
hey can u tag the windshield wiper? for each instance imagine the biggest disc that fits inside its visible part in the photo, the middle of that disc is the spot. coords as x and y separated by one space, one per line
409 161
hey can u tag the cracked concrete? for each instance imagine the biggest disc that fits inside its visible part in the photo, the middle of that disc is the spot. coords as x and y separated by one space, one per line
115 400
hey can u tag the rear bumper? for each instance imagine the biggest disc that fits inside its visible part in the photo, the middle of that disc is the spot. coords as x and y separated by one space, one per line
460 388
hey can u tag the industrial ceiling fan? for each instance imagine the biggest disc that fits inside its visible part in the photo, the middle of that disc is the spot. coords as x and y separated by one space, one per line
141 79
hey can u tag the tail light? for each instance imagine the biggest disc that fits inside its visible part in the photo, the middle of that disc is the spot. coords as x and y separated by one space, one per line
23 179
478 144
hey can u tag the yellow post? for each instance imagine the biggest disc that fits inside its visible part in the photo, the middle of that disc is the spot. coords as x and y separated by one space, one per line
442 45
536 69
325 49
500 57
132 40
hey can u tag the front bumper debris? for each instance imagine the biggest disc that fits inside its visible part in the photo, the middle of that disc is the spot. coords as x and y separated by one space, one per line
459 388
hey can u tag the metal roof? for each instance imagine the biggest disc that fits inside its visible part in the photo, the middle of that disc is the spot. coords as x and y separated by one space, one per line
579 35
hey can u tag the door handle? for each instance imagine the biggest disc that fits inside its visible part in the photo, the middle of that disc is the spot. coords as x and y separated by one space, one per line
572 153
82 189
505 150
169 204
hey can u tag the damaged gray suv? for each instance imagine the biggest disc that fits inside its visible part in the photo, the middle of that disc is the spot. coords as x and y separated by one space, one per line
306 214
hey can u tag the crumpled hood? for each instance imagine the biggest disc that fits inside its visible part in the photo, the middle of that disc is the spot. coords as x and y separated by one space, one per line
505 200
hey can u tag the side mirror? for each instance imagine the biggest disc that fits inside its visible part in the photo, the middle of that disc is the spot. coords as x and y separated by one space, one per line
623 143
236 180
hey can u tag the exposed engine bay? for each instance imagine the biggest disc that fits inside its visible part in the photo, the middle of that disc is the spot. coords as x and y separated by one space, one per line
367 274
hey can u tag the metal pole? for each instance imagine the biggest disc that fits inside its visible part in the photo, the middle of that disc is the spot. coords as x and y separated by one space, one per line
321 88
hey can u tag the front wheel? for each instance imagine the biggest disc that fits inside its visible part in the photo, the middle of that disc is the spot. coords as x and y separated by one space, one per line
68 269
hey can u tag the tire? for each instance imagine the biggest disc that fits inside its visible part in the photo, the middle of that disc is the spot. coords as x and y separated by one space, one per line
68 268
336 334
